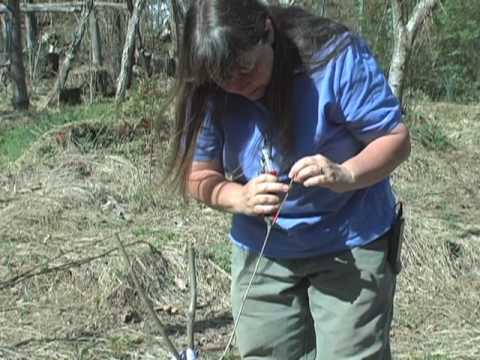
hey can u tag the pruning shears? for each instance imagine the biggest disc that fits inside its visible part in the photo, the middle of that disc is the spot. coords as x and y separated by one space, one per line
267 163
269 169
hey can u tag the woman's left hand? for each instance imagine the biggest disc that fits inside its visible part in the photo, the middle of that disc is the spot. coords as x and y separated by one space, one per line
317 170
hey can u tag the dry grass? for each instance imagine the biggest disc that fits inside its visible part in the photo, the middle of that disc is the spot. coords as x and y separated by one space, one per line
437 304
66 293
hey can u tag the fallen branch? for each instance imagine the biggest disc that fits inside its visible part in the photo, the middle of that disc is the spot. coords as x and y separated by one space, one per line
147 302
52 339
63 267
220 269
193 297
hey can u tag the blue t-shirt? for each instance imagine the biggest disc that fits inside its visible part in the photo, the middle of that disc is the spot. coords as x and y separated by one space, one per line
339 108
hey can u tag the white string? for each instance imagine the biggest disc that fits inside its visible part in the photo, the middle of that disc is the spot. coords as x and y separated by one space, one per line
270 224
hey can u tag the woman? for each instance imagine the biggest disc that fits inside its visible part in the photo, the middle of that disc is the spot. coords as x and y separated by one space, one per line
259 86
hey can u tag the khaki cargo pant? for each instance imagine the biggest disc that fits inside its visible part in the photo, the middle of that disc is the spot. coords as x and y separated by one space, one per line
329 307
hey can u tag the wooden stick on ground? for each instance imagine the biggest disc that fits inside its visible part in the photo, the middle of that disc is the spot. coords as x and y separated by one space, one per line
159 324
193 296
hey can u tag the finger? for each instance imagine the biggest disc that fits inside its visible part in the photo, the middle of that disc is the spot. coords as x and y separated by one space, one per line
266 178
308 172
265 209
320 180
272 187
306 162
299 165
266 200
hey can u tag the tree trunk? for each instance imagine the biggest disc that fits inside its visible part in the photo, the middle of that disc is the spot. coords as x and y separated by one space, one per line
323 8
32 33
97 58
175 22
183 6
282 2
118 42
138 44
71 53
361 15
127 55
17 70
405 33
4 45
128 81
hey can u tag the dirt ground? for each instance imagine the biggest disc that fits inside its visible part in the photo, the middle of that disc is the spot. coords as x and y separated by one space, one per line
67 293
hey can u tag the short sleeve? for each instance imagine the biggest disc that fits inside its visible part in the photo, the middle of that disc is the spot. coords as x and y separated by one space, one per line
210 141
368 107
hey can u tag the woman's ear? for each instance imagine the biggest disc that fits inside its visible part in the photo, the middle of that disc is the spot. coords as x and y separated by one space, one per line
271 31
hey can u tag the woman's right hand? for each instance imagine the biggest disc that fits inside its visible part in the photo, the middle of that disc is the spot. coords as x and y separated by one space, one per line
262 195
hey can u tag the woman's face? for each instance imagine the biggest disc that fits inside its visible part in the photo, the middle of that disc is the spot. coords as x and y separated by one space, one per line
253 70
252 73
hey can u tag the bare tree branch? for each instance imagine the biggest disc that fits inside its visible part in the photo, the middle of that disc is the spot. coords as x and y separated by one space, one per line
147 302
46 269
420 12
62 7
127 55
71 53
95 39
193 297
405 32
397 16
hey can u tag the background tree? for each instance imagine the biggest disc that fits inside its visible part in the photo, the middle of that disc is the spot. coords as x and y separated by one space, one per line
405 31
71 53
17 70
31 28
128 49
444 64
97 57
175 20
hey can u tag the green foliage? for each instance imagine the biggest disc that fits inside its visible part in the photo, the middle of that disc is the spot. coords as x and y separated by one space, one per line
374 23
147 100
444 63
220 254
14 140
435 357
161 237
429 133
431 136
231 356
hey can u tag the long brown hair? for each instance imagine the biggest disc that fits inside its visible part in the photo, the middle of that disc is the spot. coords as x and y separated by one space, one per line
215 33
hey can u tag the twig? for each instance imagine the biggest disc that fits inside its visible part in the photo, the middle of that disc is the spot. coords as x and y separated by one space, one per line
151 138
219 269
147 301
52 339
90 71
193 297
76 263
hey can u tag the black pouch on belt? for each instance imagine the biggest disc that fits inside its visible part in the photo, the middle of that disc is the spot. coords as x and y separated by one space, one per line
396 240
